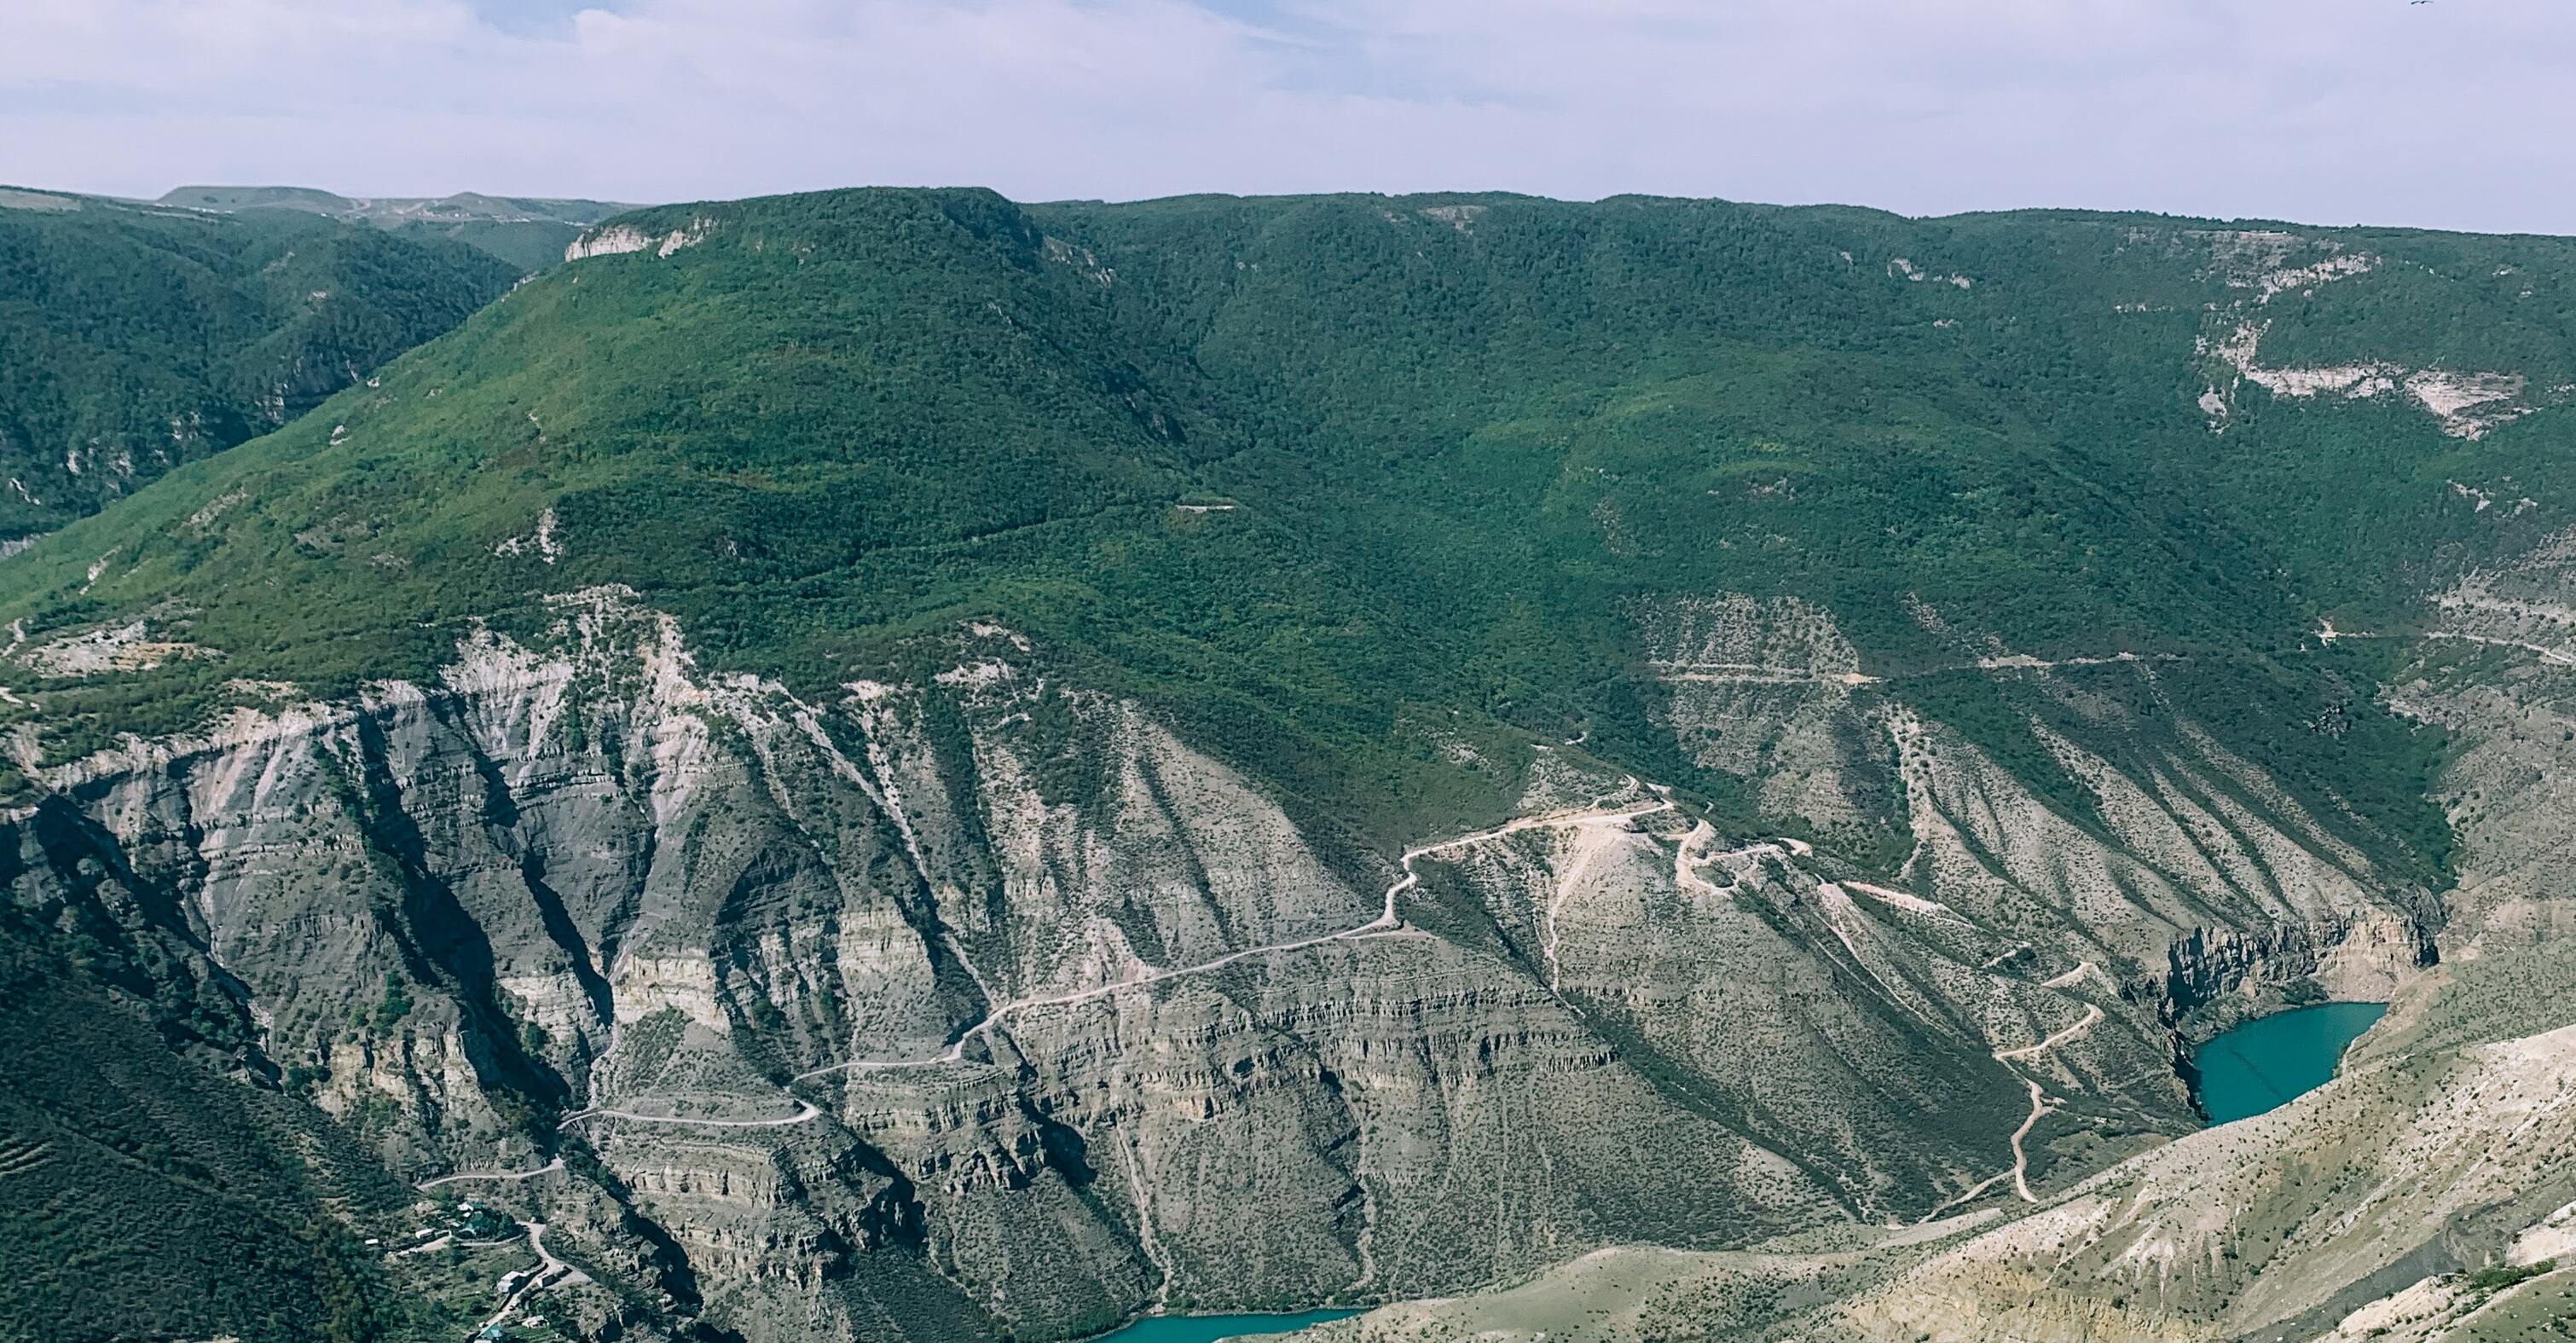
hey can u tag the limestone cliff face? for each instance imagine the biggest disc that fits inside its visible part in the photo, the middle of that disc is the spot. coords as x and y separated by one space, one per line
823 1002
2177 868
2358 1212
983 1002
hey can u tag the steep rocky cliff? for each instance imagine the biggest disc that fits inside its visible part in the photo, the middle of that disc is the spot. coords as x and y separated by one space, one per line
985 1002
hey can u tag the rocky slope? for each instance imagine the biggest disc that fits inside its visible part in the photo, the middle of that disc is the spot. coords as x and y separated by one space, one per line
2422 1195
2356 1212
876 1014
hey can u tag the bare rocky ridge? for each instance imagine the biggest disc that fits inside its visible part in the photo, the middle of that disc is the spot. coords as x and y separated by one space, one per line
824 1000
2447 1145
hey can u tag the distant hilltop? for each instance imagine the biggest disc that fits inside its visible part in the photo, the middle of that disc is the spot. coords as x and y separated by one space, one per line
527 231
462 208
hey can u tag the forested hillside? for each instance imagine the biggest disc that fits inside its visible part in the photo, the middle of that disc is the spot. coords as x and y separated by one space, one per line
134 339
1466 438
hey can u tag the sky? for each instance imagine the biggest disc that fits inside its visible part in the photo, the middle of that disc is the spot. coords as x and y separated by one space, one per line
2451 114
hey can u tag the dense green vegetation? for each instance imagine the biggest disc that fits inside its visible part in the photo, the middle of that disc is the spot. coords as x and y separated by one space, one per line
1470 441
141 1194
135 339
2501 1276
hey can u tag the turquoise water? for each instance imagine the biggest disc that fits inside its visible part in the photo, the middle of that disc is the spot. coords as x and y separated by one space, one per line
1209 1328
2263 1065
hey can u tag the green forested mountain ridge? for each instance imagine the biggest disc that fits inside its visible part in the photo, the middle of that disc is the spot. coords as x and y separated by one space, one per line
1450 424
1311 749
134 339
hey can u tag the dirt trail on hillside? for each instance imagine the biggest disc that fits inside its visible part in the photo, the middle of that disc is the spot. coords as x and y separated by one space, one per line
2019 1173
460 1176
1388 921
806 1110
550 1273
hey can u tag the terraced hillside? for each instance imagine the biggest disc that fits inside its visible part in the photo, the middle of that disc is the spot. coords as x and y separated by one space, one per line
893 764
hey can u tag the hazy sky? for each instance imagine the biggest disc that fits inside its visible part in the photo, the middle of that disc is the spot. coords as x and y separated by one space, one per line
2454 113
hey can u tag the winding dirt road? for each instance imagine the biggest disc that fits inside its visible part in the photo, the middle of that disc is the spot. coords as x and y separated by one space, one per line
805 1110
550 1272
2019 1173
461 1176
2039 1108
1387 921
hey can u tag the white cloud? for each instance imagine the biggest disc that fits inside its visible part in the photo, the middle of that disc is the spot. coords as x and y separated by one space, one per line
2451 113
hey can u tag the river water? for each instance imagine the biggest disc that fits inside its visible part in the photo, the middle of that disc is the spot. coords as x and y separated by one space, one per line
2263 1065
1209 1328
